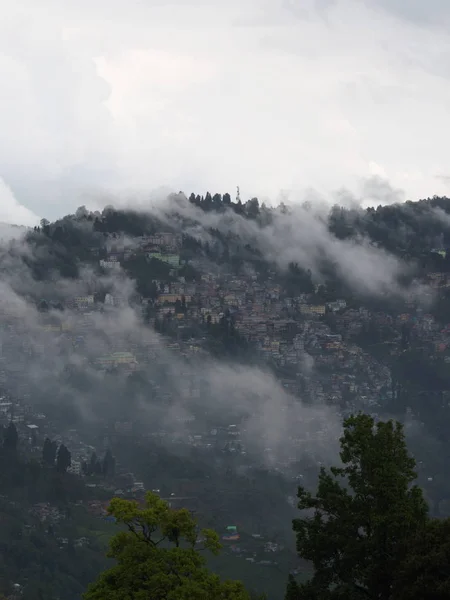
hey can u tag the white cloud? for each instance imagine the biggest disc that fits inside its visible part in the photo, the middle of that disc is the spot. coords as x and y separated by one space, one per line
12 212
265 94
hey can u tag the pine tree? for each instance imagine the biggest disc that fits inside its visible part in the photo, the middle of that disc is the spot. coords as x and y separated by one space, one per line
63 459
359 533
49 452
108 464
10 438
292 589
91 470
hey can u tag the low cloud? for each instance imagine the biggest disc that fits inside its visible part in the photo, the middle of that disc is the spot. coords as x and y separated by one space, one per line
123 94
300 234
12 212
53 356
377 190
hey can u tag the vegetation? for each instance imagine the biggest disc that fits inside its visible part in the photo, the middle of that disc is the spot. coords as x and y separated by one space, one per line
369 535
424 574
158 557
366 531
46 543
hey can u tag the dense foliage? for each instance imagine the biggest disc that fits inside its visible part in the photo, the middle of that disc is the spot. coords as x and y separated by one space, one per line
370 536
42 554
366 531
157 557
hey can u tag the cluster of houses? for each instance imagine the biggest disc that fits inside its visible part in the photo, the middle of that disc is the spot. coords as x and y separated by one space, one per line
313 345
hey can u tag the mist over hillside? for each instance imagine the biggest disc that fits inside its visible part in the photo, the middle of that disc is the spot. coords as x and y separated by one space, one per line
9 232
182 359
214 345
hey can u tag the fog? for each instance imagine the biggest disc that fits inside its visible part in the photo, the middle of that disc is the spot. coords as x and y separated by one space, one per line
51 352
300 234
46 366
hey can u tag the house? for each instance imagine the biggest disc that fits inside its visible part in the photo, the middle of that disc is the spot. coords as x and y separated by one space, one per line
5 407
172 298
84 300
313 310
80 542
110 264
171 259
75 468
336 305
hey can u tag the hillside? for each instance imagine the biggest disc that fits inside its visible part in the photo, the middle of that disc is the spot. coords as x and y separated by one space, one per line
213 348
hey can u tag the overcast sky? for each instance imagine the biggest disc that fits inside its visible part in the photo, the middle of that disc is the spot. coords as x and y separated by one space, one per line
270 95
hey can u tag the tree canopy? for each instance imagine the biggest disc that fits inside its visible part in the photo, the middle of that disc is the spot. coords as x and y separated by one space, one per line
158 556
63 459
10 438
358 527
425 573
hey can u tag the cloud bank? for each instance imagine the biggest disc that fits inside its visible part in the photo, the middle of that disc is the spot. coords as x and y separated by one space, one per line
12 212
273 95
300 234
52 356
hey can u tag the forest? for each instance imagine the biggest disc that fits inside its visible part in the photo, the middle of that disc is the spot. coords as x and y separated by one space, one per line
386 266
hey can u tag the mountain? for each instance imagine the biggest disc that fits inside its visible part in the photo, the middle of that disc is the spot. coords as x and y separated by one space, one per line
213 347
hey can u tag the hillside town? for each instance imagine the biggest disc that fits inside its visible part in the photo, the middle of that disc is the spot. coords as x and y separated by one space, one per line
311 345
322 349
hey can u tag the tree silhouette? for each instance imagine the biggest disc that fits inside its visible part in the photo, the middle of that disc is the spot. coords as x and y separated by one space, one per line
108 464
359 533
11 438
49 452
63 459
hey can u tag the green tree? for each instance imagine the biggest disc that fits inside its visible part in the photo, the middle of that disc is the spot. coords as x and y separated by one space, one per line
425 572
292 589
92 466
10 438
356 532
49 452
108 464
63 459
157 557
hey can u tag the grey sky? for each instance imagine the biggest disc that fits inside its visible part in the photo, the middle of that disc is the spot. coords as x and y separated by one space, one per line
431 12
270 95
